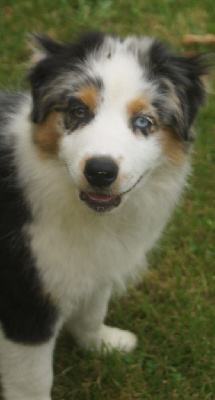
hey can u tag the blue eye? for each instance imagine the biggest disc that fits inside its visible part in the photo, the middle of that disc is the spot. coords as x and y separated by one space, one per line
142 123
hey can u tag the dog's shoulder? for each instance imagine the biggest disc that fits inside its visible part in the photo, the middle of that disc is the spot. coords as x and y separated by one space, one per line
10 104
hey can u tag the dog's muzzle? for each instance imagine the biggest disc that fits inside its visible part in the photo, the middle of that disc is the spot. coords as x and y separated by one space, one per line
100 173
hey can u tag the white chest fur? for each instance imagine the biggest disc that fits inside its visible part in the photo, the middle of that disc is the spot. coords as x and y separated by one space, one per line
77 250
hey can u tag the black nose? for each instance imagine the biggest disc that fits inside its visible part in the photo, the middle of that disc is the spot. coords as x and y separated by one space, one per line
100 171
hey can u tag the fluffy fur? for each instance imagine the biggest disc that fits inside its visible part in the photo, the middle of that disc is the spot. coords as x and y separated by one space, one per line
92 164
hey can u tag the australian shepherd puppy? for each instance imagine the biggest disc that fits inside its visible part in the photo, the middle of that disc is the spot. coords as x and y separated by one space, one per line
92 164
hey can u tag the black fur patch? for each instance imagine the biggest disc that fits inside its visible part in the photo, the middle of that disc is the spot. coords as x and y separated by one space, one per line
59 59
184 73
26 314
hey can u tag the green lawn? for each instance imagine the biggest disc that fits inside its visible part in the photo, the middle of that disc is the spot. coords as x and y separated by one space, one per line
173 310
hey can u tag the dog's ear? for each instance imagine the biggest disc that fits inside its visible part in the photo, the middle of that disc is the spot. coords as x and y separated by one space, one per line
42 46
182 79
52 60
44 66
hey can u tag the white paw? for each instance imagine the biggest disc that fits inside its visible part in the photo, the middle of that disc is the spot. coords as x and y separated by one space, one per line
107 338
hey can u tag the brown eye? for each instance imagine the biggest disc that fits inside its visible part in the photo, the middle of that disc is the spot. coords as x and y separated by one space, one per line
79 113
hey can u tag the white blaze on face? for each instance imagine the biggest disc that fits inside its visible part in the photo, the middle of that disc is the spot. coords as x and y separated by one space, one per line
110 133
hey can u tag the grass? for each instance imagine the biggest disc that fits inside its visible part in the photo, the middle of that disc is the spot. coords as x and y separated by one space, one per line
172 311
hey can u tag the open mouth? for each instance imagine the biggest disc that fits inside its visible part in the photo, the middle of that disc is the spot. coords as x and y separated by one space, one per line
100 202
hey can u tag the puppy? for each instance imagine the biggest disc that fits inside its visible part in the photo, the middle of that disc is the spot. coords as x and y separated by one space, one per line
93 162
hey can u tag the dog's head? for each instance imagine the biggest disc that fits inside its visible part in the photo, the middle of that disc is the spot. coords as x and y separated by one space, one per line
113 111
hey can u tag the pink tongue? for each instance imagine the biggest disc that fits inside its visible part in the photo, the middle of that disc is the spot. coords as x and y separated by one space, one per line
100 197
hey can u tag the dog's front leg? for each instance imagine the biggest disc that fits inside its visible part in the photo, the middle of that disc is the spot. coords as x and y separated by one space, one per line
89 330
26 370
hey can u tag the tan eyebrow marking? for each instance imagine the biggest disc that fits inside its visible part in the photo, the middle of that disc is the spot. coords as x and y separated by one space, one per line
137 105
89 95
